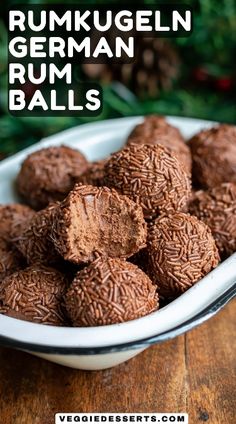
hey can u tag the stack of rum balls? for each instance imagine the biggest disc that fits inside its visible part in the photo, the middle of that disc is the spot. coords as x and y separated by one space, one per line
106 242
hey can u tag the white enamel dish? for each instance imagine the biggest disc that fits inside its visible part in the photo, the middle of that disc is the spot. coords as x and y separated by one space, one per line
103 347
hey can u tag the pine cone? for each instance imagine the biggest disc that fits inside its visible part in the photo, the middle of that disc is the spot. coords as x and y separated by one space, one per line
154 69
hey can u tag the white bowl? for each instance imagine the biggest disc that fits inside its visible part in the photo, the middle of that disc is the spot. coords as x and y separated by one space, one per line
103 347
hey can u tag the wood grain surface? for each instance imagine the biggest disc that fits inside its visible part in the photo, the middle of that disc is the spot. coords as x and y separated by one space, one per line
194 373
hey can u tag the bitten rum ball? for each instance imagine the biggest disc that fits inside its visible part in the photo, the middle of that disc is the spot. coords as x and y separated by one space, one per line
156 130
110 291
95 221
217 208
10 259
49 174
34 294
214 156
181 250
35 243
13 218
151 176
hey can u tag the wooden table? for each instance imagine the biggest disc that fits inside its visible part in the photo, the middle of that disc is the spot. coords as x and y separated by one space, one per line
194 373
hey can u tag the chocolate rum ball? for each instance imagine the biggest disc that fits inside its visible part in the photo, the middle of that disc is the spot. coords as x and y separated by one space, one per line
214 156
97 221
10 259
156 130
110 291
48 175
151 176
181 251
217 208
13 219
94 175
35 242
34 294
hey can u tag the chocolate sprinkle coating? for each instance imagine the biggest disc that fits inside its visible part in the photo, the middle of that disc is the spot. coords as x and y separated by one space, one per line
49 174
151 176
35 243
95 221
10 259
181 250
217 208
94 175
214 156
13 219
156 130
110 291
34 294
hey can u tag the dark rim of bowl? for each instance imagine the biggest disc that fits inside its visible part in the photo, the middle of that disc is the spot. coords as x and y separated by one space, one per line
193 322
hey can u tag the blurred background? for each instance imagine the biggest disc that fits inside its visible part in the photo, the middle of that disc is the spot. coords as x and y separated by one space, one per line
193 76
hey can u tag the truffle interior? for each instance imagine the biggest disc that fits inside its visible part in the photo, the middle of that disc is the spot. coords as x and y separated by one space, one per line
108 226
